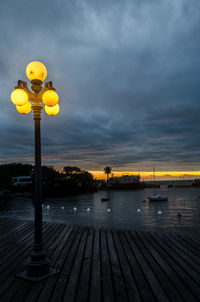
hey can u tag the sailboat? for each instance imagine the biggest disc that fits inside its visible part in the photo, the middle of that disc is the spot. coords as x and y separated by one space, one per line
156 197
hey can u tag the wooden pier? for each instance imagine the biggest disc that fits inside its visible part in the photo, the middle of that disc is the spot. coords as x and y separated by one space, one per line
100 265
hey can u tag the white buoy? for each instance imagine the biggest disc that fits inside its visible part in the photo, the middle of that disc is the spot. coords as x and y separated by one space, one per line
138 210
88 210
62 208
42 205
75 209
48 206
108 210
159 212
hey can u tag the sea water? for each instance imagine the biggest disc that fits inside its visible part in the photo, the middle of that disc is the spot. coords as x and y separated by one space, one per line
123 210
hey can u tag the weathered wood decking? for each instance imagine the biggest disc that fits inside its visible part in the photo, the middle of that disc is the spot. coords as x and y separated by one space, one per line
100 265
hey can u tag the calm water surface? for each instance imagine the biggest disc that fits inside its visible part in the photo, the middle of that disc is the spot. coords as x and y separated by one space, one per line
124 206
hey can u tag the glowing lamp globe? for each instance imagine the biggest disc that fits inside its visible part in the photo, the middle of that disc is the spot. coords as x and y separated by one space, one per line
50 98
25 109
19 97
36 71
53 110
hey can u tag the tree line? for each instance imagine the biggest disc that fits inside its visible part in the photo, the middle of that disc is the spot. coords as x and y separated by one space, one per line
71 180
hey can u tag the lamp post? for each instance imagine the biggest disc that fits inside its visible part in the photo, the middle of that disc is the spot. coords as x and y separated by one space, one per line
38 266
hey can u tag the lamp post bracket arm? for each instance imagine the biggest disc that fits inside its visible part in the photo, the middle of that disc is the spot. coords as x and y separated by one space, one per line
23 85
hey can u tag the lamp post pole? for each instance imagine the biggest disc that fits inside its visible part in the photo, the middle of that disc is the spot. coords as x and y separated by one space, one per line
38 186
38 266
38 178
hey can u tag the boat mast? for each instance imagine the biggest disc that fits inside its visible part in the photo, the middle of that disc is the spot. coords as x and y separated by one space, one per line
154 174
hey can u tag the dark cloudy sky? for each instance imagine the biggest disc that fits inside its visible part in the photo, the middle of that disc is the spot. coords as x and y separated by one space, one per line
128 76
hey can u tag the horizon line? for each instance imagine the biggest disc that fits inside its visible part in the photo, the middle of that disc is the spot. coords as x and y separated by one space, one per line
168 175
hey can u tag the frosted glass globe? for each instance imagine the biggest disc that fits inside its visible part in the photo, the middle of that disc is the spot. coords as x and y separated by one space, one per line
36 71
25 109
50 98
52 110
19 97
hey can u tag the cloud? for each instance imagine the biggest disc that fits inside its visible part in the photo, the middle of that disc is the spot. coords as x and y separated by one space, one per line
127 73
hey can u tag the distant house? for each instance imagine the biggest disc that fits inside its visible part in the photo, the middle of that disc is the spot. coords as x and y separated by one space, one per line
125 179
21 181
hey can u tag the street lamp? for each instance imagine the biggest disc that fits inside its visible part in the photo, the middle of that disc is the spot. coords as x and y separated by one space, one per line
38 266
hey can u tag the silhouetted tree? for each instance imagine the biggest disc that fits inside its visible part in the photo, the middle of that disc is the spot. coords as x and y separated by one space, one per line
107 171
85 178
16 169
71 170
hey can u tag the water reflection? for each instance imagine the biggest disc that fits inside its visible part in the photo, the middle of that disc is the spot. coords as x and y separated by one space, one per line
180 213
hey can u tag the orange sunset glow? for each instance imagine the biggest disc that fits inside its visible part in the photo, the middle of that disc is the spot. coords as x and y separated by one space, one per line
164 175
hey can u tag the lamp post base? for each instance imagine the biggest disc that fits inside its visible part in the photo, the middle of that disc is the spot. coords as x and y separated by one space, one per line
24 275
38 267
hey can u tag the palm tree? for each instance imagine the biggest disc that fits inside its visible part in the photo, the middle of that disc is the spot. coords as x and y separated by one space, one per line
107 171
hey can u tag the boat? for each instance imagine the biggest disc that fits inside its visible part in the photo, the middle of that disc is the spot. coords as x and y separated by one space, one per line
105 199
157 198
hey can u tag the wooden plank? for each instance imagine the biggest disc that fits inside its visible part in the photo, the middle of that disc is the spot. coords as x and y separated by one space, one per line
22 247
194 238
72 283
55 286
13 236
159 267
9 227
184 260
168 254
55 253
187 249
138 287
95 290
190 241
120 288
190 258
163 258
7 251
101 265
8 222
26 286
150 276
9 275
107 282
177 281
85 273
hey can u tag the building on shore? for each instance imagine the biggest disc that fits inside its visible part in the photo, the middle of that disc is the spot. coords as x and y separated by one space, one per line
124 179
125 182
20 181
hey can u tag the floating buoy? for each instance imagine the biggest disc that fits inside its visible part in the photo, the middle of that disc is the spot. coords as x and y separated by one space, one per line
42 205
159 212
75 209
138 210
62 208
48 206
108 210
88 210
